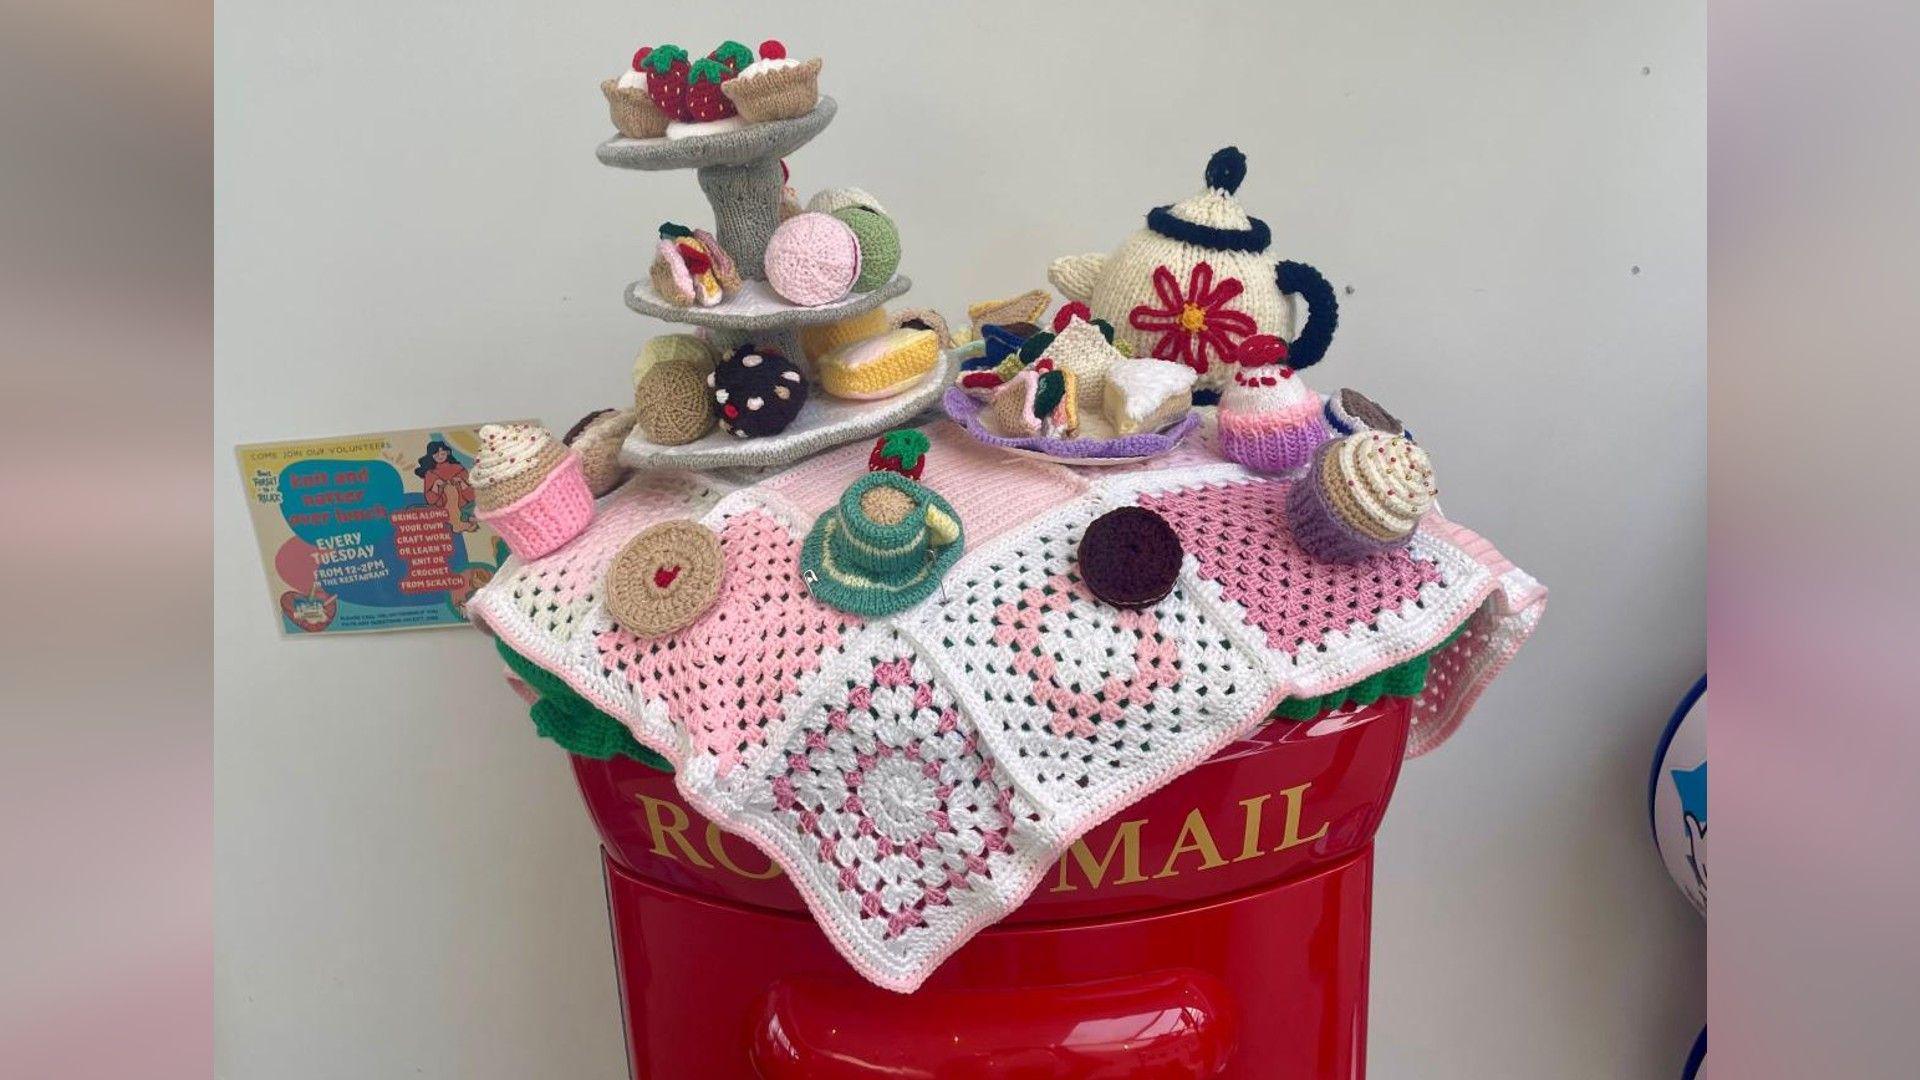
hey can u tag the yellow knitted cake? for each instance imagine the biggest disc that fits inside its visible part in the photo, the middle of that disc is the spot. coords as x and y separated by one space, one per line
818 341
879 366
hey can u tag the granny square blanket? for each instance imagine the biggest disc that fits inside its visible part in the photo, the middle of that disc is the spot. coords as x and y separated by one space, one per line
918 775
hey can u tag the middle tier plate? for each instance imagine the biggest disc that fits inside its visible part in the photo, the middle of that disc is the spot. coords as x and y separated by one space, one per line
757 307
824 422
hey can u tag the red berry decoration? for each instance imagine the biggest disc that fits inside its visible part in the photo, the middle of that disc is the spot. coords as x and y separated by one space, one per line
704 101
1068 312
902 450
1259 351
772 50
667 73
640 57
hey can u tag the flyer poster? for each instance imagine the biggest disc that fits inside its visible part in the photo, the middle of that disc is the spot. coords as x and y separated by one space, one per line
369 532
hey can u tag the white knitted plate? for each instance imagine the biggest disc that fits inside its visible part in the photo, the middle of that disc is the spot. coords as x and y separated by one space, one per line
824 422
757 307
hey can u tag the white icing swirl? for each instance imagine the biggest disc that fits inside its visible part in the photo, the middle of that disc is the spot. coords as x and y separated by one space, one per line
507 451
633 80
1390 480
1248 394
763 67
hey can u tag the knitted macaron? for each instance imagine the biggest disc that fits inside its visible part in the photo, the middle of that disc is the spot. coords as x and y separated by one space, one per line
1270 421
828 200
1130 557
665 578
757 392
1363 495
879 245
812 259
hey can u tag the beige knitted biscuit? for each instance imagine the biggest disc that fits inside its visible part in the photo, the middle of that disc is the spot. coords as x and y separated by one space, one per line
671 405
664 579
505 492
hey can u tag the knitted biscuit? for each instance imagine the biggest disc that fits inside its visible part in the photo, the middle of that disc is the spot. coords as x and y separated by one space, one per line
921 318
812 259
775 88
1025 308
879 367
513 460
819 340
691 348
879 245
597 438
665 578
1130 557
671 405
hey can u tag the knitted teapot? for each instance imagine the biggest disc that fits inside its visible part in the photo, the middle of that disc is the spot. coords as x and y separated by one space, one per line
1198 280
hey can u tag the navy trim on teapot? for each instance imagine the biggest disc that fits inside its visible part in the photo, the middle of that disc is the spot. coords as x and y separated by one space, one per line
1254 238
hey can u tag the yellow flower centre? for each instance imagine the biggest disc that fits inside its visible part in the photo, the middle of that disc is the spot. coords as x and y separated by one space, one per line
1193 319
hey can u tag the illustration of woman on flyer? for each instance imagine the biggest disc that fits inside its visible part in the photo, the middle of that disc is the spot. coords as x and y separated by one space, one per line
445 483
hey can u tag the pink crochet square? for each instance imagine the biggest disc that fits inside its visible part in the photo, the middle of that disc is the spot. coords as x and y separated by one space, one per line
723 678
1238 533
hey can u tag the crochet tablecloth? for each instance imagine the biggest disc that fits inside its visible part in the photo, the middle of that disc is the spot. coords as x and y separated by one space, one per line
916 776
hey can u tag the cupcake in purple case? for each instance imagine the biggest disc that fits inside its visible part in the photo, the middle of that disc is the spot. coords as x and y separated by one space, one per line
1363 495
1270 421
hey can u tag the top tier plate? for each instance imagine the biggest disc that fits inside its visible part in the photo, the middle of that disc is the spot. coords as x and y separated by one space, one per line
741 146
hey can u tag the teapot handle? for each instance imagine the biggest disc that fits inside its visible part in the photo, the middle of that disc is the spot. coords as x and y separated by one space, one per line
1323 312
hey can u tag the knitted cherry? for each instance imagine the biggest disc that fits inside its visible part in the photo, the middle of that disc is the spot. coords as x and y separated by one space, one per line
772 50
1259 351
640 58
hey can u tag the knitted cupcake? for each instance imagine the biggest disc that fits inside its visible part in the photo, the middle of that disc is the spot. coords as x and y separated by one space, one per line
530 488
1269 420
775 87
1364 495
634 113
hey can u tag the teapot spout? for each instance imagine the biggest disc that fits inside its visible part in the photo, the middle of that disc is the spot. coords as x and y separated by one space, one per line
1074 275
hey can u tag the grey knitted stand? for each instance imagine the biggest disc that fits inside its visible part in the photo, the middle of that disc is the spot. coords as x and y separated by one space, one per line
740 172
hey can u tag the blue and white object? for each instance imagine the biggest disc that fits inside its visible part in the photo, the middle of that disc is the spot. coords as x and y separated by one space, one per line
1677 795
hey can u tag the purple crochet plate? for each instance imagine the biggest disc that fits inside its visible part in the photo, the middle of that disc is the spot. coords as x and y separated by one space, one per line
968 413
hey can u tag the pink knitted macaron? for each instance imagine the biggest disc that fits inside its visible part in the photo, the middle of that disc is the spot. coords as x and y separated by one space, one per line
812 259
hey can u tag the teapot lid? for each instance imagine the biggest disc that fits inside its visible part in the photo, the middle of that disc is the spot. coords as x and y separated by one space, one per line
1214 218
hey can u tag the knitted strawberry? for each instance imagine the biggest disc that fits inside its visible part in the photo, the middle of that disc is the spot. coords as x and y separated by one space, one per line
732 54
902 450
704 101
667 74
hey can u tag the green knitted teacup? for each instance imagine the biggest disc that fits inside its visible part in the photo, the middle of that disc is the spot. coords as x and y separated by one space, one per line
883 547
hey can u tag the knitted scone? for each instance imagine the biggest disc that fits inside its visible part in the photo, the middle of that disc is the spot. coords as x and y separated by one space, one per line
823 339
1363 495
879 367
671 404
597 438
665 578
1130 557
634 113
775 89
550 502
879 243
812 259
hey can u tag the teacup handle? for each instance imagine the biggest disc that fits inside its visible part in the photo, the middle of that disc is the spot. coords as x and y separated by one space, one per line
941 529
1323 312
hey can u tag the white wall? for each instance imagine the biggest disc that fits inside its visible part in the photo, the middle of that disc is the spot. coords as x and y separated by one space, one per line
412 230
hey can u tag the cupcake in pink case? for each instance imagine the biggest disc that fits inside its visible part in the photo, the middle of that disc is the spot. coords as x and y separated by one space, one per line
530 487
1363 495
1270 421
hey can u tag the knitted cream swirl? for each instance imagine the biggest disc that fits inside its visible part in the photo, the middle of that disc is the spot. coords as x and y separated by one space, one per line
1387 479
513 459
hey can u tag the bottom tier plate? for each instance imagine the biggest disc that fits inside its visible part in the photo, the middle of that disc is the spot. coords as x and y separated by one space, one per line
824 422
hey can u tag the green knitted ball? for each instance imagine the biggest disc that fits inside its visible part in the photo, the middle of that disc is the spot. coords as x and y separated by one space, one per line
879 245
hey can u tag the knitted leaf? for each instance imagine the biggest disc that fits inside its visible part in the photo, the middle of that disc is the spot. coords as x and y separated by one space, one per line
1046 397
709 70
904 445
672 231
663 58
733 54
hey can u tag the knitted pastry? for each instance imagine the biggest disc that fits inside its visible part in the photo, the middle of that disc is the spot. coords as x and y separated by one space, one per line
529 487
879 245
665 578
1146 395
689 268
1363 495
1348 411
672 405
902 450
880 366
691 348
758 392
826 337
597 438
831 200
1269 420
688 91
634 113
1199 279
812 259
1027 308
775 87
921 318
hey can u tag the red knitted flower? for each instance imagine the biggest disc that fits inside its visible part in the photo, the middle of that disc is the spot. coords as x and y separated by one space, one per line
1196 328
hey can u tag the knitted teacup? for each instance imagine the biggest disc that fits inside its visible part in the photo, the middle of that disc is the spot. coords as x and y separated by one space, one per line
883 547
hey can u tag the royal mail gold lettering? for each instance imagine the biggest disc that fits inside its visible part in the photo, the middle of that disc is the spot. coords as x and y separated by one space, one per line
1194 836
717 847
676 831
1250 828
1126 839
1296 796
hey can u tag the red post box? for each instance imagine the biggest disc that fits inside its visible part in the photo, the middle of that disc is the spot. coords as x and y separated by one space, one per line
1217 928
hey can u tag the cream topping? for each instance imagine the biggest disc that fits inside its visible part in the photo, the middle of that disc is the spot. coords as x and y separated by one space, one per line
1390 478
507 451
859 354
764 67
1146 384
1264 389
633 80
